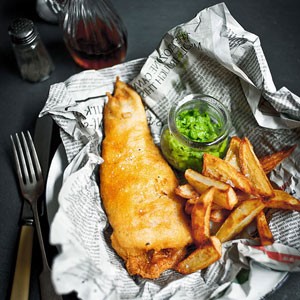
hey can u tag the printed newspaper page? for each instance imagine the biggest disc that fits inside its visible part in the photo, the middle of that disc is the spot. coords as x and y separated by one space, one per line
212 54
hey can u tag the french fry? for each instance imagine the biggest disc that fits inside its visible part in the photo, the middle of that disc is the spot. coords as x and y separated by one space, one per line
224 195
202 257
219 215
232 154
228 195
239 218
215 206
243 196
186 191
221 170
200 217
282 200
189 204
253 170
265 234
269 162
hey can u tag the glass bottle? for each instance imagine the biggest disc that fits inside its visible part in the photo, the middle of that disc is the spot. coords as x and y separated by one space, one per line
32 57
93 32
45 12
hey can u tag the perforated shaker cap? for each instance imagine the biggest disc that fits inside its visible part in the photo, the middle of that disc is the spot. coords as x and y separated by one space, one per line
22 31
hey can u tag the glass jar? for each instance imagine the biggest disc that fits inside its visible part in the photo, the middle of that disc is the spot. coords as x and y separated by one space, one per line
93 32
196 124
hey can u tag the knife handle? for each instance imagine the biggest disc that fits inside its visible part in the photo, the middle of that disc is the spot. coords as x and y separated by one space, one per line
21 281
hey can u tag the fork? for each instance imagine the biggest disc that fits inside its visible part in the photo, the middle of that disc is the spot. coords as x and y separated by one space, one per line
32 185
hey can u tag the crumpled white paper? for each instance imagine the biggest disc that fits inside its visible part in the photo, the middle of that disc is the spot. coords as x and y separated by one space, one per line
210 54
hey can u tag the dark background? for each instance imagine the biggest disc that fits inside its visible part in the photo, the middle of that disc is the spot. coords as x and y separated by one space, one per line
276 22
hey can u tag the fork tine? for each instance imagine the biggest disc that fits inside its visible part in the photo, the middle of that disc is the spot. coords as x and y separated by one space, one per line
20 160
35 157
20 175
28 157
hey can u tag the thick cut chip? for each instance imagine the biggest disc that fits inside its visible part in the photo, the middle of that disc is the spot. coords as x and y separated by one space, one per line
191 202
232 154
253 170
221 170
200 217
269 162
244 196
202 257
239 218
219 215
224 195
282 200
264 231
186 191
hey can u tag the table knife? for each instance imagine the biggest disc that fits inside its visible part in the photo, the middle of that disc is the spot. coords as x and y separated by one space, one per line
46 140
21 282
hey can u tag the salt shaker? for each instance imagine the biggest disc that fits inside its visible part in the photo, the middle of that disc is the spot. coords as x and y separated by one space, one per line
32 57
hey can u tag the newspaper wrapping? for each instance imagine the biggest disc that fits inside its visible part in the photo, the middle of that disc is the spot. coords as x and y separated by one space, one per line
211 54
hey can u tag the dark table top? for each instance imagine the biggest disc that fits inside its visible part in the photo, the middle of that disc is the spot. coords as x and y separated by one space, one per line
276 22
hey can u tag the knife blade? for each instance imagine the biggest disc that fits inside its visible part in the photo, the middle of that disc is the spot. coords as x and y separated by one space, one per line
43 139
46 140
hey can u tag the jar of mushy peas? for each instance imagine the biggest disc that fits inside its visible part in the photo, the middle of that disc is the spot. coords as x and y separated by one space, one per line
196 124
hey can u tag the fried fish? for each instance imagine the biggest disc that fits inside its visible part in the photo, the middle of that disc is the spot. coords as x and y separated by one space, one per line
150 229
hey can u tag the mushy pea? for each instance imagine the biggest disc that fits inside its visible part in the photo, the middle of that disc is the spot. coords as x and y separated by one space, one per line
196 127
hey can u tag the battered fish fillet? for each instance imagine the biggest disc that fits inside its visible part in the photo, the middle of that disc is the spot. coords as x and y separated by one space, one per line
150 230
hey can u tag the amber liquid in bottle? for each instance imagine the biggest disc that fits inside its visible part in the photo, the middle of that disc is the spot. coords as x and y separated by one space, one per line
96 45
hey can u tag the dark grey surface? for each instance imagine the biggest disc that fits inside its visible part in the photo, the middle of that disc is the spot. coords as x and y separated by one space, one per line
276 22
